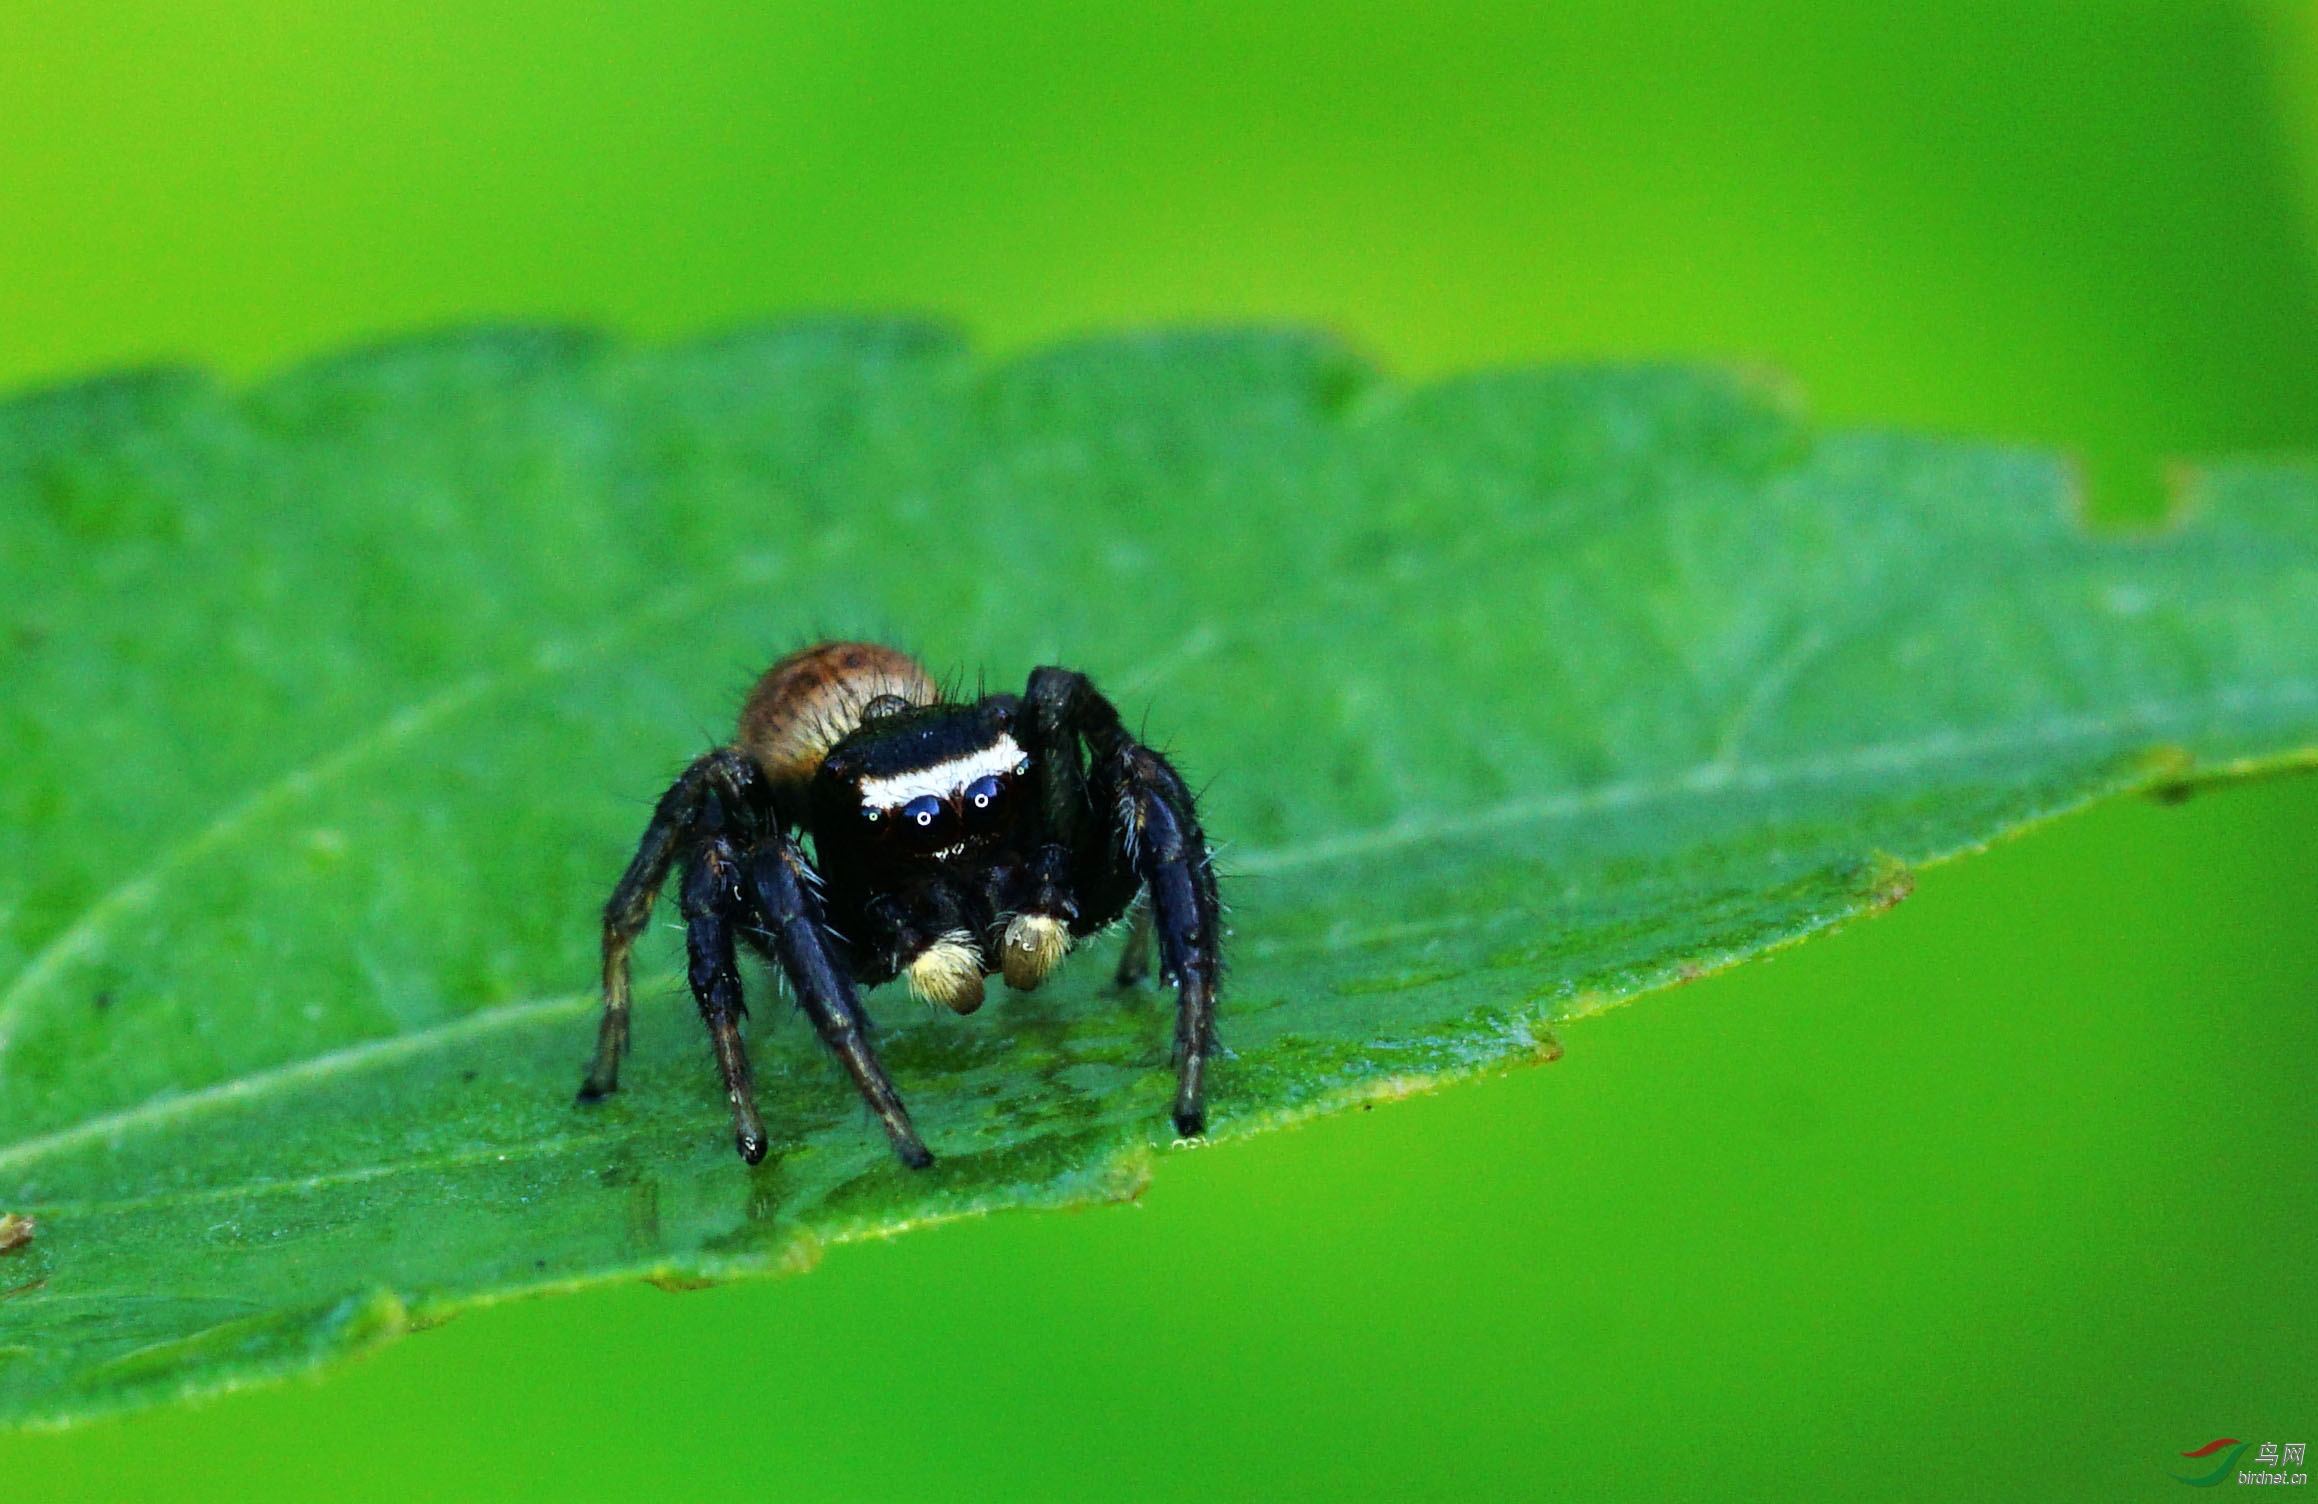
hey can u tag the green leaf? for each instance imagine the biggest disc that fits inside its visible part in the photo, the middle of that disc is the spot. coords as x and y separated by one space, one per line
331 709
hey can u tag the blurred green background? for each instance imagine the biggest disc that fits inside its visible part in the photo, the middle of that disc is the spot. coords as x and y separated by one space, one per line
2011 1193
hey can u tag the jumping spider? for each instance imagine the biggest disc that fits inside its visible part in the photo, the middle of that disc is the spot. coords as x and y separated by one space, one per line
944 835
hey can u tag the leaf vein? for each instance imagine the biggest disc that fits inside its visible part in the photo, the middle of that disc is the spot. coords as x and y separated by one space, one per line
245 1088
85 936
1719 776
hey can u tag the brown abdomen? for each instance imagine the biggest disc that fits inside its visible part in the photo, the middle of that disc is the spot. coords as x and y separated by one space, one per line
806 703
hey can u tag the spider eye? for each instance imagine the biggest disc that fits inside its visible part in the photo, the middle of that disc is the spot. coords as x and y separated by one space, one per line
925 824
984 804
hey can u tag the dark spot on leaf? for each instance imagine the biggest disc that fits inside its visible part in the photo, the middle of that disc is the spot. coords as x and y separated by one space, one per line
1896 889
679 1283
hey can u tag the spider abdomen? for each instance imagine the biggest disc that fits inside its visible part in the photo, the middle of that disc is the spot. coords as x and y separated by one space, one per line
811 700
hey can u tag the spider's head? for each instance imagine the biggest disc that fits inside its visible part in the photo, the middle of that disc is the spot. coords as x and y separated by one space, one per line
913 784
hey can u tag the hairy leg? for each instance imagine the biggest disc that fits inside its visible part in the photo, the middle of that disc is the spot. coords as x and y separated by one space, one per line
675 821
782 885
1159 849
712 903
1171 855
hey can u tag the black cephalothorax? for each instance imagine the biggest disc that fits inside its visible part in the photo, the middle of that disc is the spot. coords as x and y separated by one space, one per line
950 841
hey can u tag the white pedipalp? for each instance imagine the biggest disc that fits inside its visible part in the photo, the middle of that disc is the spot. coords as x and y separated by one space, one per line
949 972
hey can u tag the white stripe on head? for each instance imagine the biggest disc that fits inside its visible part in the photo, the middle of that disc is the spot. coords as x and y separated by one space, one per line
944 779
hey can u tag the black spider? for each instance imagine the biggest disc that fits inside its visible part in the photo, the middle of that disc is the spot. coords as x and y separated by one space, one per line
950 841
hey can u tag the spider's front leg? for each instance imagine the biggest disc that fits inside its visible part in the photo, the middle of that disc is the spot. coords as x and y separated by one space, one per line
1131 823
712 902
783 886
1169 852
676 821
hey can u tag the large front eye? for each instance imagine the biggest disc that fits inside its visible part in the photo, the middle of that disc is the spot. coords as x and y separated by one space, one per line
926 822
984 803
